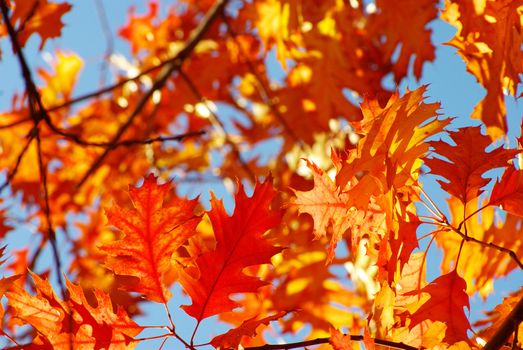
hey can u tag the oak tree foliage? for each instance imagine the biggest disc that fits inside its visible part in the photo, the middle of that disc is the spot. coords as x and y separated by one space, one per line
331 225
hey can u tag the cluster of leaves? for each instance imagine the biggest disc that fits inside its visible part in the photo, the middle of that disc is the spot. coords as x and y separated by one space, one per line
358 205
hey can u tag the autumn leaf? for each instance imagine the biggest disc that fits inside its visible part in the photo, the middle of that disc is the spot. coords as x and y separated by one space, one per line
60 324
339 341
485 226
239 244
232 338
4 227
327 207
508 192
401 242
469 160
39 16
488 38
60 81
5 285
413 38
152 232
446 303
392 144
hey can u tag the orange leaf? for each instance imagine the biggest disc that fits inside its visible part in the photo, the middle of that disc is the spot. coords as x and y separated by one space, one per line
5 284
339 341
489 40
327 207
62 323
152 234
467 162
402 243
393 140
447 299
233 337
41 17
239 244
508 192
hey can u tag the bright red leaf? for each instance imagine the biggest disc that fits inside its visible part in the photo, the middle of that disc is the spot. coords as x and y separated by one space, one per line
446 303
508 192
152 232
248 328
466 162
239 244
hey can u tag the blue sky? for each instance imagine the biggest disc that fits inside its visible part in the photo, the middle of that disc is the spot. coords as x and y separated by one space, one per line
457 91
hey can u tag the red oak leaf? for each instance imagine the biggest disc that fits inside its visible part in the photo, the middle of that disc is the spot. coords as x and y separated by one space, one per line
508 192
62 324
233 337
152 234
339 341
447 299
467 162
239 244
39 16
327 206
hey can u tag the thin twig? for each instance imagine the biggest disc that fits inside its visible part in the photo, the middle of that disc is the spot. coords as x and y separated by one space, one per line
109 46
37 113
467 238
317 341
218 123
160 81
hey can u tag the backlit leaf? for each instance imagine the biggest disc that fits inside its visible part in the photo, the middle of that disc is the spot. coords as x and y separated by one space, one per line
239 244
446 303
152 233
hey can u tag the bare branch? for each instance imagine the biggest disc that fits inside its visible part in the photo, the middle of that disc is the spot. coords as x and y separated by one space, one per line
468 238
38 113
317 341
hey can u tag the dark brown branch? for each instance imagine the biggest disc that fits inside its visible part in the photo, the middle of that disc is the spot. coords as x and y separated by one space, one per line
160 81
318 341
37 113
508 327
218 123
179 137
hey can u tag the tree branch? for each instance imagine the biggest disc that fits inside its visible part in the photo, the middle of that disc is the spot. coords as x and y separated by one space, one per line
38 113
508 327
174 65
318 341
468 238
